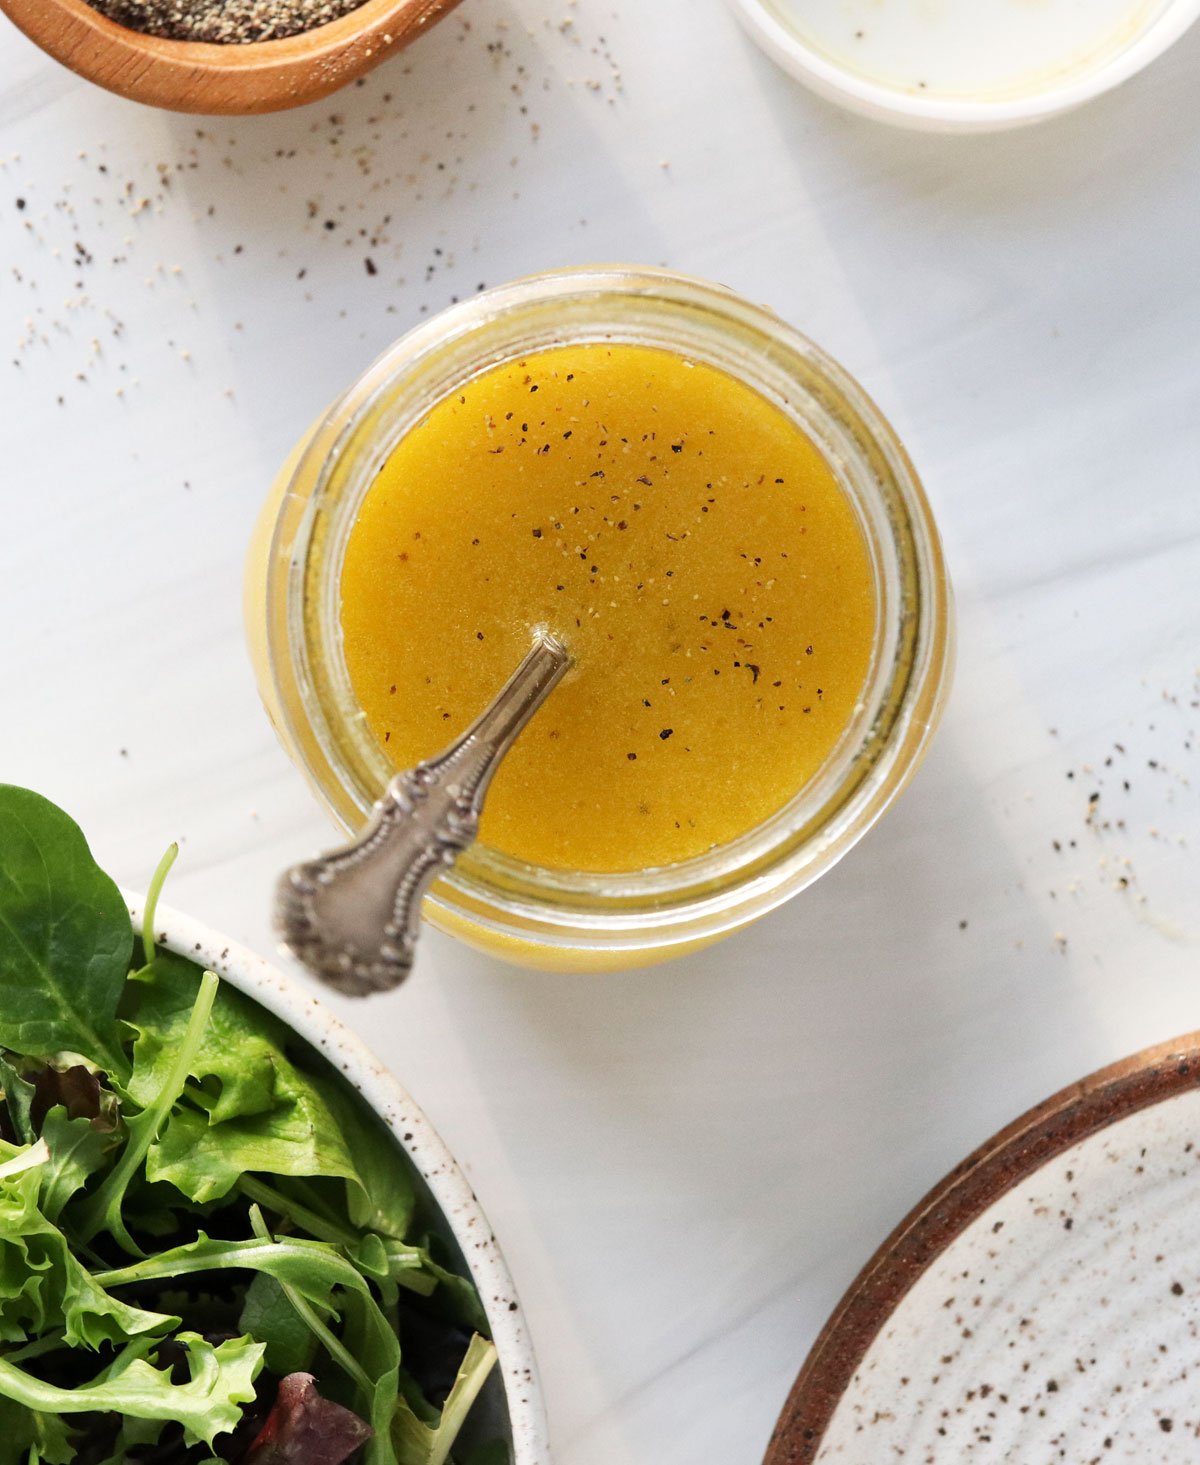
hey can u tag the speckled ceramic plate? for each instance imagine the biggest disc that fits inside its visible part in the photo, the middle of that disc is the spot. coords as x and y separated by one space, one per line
1042 1304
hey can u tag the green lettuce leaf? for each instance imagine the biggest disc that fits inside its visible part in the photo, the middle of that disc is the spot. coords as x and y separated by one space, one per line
78 1150
236 1060
383 1195
221 1380
294 1124
299 1136
44 1286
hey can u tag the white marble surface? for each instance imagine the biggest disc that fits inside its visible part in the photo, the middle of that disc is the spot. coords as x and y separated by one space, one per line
686 1166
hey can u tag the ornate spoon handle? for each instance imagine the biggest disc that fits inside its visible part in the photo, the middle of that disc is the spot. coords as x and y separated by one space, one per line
352 916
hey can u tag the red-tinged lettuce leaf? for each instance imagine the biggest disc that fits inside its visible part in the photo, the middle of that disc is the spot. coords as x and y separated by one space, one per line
77 1089
305 1429
79 1120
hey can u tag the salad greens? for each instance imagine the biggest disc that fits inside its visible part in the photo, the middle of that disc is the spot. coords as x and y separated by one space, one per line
210 1249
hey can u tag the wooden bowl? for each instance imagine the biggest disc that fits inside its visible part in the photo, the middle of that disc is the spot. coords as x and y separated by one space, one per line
195 76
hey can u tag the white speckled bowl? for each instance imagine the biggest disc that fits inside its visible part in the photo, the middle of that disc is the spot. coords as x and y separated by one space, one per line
519 1408
1042 1303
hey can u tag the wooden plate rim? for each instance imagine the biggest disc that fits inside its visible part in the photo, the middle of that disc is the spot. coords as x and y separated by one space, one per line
1148 1077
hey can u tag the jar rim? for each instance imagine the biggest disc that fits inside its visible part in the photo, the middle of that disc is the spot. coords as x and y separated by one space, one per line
707 894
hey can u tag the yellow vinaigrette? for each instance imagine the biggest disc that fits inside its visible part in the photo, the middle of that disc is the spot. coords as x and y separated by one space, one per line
688 542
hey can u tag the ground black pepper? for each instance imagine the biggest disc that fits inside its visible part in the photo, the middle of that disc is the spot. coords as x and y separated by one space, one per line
233 22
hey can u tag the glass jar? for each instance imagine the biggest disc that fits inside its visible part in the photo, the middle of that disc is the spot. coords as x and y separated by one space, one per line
557 918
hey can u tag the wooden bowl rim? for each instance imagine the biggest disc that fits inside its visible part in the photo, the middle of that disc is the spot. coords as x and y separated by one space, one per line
1149 1077
197 63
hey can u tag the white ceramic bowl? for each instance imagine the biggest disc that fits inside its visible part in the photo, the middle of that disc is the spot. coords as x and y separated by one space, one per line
932 113
464 1221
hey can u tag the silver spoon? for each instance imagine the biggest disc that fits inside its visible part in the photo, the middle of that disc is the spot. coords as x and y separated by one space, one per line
352 916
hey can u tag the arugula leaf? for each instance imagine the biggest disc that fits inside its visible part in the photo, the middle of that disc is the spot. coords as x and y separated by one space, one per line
310 1317
65 937
454 1297
369 1349
312 1267
220 1380
370 1256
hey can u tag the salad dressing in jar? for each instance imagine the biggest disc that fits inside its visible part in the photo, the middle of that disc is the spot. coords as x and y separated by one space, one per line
722 528
679 534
